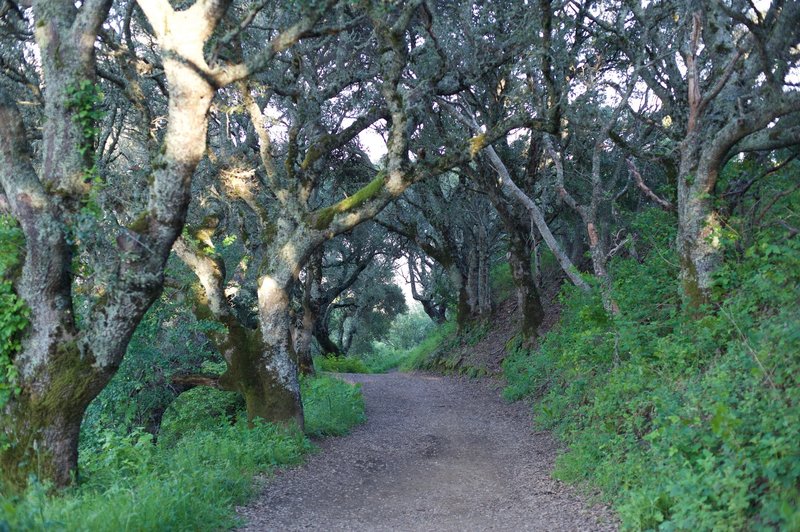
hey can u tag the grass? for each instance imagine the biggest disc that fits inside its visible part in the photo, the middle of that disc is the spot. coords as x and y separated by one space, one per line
332 407
417 356
384 359
192 478
340 364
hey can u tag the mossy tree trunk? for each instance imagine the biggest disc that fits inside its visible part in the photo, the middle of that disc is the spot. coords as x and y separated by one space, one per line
312 295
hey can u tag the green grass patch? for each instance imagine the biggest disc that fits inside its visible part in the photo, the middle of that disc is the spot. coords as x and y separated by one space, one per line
201 467
384 359
417 357
332 407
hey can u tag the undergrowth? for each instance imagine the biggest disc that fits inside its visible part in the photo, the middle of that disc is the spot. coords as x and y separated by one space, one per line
683 423
417 357
13 312
332 407
340 364
384 359
411 338
202 465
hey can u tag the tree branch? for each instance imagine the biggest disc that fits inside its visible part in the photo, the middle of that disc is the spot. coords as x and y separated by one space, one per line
637 177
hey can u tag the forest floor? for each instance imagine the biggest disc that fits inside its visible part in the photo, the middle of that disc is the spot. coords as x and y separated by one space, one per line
437 453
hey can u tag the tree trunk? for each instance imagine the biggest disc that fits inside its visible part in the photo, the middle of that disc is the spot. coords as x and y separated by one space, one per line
311 313
519 259
348 331
323 337
279 397
511 190
302 343
519 254
260 367
473 284
484 284
42 423
437 313
698 233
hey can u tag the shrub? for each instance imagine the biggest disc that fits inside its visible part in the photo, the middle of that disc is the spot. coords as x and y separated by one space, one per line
417 357
13 312
384 358
683 423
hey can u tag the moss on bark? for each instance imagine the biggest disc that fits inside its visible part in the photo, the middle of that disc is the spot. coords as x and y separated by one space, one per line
323 217
42 424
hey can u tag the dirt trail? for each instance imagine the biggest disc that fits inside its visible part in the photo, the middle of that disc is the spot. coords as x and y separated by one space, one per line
437 453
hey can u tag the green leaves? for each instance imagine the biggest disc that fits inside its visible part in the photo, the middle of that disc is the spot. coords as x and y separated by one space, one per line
14 313
84 101
331 406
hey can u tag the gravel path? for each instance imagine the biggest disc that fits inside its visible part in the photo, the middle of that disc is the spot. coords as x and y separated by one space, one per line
437 453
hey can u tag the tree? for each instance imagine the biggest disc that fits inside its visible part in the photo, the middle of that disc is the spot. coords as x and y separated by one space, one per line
73 244
721 75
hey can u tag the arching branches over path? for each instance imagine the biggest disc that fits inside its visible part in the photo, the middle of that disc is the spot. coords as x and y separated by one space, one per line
305 178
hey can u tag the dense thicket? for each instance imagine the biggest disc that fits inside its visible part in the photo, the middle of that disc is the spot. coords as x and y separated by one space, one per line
209 193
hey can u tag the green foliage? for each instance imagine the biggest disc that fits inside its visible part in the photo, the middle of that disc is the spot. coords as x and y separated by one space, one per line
192 478
382 302
197 408
417 357
141 386
340 364
407 331
13 311
331 406
683 423
501 281
84 99
384 358
186 487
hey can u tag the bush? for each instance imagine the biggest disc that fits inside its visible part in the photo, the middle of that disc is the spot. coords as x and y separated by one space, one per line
501 281
407 333
384 358
683 423
13 311
417 357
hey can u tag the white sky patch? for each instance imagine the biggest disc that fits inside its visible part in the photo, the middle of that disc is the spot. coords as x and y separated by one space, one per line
401 280
373 143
